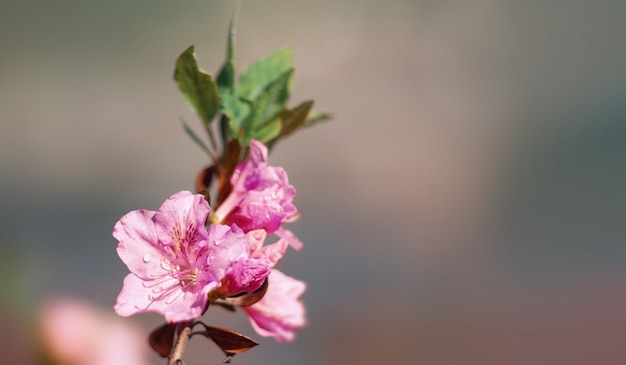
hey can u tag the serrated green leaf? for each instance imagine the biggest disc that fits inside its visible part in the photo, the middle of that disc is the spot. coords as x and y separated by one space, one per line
262 73
197 88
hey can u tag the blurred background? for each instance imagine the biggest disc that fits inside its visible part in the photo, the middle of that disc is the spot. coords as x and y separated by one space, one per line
465 206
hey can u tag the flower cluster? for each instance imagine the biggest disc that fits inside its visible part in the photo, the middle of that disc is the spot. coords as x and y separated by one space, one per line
178 265
208 249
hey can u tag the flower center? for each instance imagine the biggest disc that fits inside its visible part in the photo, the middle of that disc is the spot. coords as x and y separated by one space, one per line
185 276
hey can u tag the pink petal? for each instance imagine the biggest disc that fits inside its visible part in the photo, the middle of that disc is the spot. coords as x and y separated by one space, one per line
138 245
179 217
227 244
261 197
256 238
280 313
245 276
258 153
289 237
166 297
273 253
257 159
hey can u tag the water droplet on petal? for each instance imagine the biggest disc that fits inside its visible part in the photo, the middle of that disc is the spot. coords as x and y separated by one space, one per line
146 258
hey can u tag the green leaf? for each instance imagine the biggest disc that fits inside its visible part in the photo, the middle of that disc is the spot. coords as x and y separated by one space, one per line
317 116
226 78
260 74
238 112
197 88
266 132
300 116
274 99
262 123
292 119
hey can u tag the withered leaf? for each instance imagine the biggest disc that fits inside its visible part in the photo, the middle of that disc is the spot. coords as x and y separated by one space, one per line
203 179
162 339
228 164
248 298
229 341
228 307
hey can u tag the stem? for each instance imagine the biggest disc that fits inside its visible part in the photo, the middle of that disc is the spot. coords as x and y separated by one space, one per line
213 143
232 31
184 332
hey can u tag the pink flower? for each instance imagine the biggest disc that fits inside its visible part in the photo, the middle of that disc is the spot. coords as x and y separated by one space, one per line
279 314
243 273
174 261
74 332
261 197
248 272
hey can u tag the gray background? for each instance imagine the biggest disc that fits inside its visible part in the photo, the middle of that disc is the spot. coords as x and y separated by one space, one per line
465 206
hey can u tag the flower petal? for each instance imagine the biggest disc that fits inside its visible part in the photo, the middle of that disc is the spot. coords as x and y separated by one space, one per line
178 219
257 159
288 236
244 276
280 313
138 245
256 238
226 244
273 253
164 296
261 197
258 153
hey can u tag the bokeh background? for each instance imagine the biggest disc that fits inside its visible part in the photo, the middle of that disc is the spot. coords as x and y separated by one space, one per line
465 206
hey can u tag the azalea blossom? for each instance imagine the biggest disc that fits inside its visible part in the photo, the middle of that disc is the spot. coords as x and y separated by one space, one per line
174 261
242 273
279 313
250 268
261 197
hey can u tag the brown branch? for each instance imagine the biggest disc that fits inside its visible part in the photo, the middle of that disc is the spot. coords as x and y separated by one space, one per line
184 332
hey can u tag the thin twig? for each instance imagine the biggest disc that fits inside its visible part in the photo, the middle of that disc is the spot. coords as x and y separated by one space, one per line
184 332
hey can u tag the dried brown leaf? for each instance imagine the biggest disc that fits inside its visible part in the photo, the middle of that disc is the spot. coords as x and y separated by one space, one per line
162 339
